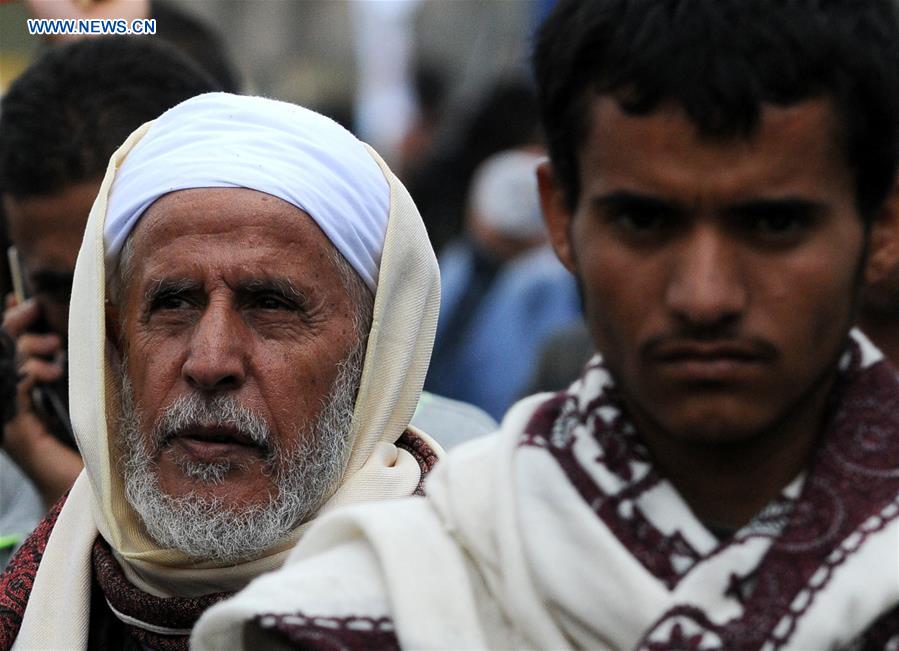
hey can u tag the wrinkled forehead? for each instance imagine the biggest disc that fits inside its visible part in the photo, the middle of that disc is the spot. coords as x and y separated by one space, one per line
233 238
238 213
285 151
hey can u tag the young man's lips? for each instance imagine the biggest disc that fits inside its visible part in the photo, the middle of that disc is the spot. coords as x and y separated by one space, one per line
710 362
712 369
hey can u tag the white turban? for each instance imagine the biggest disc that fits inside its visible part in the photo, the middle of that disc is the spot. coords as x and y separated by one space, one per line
220 140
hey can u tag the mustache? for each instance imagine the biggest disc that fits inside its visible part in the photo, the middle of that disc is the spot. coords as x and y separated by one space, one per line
725 339
193 411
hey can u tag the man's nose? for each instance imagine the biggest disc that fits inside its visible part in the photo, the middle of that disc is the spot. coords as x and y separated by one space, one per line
707 286
216 357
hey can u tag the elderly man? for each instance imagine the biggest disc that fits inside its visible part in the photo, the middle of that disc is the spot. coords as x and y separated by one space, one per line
726 476
252 314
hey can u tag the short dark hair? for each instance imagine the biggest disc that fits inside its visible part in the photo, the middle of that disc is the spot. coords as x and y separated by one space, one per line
720 61
196 39
67 113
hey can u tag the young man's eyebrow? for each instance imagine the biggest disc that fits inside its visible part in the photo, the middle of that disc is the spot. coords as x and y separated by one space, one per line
624 200
783 206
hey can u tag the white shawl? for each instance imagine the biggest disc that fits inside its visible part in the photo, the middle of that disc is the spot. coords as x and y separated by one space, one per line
558 533
399 347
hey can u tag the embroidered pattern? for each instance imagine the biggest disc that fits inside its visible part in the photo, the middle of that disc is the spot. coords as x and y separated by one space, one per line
332 633
424 455
851 491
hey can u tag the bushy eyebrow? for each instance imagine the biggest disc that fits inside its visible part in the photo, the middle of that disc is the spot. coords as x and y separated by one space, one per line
282 286
787 206
165 286
624 201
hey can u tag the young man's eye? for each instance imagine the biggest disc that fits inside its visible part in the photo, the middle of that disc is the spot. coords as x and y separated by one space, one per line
777 224
778 221
639 221
642 224
638 216
778 227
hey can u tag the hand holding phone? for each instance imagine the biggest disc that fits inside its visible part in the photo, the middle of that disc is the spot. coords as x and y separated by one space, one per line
39 437
40 357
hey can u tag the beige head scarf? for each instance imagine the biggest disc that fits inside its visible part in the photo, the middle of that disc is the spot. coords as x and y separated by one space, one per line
399 347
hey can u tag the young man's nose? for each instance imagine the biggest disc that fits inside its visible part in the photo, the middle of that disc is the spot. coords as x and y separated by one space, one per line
706 286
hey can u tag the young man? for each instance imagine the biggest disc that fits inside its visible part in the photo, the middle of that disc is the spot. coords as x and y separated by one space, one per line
726 475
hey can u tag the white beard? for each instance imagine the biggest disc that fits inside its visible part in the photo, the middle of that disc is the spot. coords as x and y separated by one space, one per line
205 527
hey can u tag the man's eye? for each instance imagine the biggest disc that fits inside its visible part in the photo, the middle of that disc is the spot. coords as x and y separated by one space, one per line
273 303
638 222
778 225
775 224
170 302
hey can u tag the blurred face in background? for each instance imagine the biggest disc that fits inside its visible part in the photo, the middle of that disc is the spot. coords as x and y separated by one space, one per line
504 216
47 231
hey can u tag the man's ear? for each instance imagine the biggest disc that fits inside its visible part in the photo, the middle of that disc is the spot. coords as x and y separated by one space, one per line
884 256
555 214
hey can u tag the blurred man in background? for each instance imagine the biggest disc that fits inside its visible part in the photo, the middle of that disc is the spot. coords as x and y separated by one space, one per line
503 291
60 122
726 475
503 116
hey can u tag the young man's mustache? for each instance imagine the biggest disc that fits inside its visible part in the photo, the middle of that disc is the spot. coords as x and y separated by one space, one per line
708 342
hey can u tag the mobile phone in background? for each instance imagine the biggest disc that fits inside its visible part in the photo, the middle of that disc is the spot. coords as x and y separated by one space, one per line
50 400
16 274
